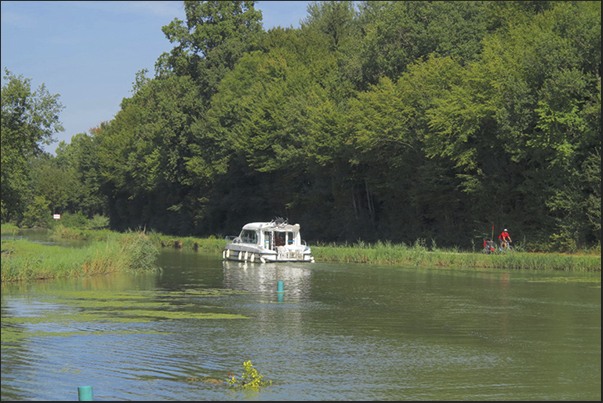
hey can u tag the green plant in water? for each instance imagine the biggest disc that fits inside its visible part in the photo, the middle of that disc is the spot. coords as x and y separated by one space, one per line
250 379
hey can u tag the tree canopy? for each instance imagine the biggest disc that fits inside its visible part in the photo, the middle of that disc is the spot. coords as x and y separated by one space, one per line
373 120
29 119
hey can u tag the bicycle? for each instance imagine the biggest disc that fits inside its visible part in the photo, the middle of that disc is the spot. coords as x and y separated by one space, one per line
507 247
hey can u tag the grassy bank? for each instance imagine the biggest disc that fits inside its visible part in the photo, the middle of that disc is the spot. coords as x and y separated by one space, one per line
9 228
384 253
23 260
417 255
210 245
157 239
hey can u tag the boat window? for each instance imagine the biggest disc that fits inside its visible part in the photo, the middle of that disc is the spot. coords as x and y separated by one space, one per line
290 238
279 238
249 236
267 240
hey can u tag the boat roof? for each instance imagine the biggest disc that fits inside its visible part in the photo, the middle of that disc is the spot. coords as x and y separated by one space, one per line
271 226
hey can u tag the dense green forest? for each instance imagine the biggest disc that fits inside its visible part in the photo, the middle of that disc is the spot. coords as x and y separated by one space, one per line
374 120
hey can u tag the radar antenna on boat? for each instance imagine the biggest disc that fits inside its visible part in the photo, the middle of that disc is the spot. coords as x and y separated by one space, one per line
280 221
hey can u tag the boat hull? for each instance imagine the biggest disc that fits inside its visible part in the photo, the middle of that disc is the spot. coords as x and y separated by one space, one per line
254 254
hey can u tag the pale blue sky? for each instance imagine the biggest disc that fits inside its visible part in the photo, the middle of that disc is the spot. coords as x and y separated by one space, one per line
89 51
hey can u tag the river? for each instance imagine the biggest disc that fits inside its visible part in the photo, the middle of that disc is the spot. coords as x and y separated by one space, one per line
338 332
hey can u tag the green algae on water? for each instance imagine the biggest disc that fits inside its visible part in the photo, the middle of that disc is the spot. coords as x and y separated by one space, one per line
65 307
182 315
563 279
12 336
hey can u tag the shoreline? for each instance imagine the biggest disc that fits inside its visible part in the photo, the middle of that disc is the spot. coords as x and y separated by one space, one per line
23 260
375 254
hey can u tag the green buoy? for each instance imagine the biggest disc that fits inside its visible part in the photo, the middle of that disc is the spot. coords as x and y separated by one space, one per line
84 393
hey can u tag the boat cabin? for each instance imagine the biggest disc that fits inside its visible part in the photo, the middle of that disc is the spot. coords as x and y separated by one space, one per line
270 235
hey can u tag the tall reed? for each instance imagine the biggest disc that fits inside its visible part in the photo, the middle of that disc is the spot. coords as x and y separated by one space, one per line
23 260
386 252
211 244
419 255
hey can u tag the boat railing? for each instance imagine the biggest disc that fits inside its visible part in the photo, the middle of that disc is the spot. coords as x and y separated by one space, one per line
288 252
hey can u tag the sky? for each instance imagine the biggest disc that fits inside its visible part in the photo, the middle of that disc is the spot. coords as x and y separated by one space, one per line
88 52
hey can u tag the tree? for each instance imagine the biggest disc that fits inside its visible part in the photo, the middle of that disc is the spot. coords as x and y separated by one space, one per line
274 116
29 119
388 142
38 213
80 164
522 125
57 184
398 33
154 157
332 18
216 34
395 120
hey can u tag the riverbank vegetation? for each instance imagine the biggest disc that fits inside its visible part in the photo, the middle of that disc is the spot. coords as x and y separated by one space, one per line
24 260
374 120
417 254
157 239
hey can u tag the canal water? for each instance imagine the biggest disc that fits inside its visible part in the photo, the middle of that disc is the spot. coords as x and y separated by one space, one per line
338 332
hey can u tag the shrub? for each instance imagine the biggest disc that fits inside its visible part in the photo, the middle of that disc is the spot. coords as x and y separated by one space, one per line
37 214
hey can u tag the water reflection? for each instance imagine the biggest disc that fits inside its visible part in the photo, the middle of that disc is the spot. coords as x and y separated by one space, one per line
262 279
114 282
339 332
282 314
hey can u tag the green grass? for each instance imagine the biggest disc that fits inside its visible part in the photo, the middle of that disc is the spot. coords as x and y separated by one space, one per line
209 245
419 255
8 228
24 260
61 232
159 240
384 253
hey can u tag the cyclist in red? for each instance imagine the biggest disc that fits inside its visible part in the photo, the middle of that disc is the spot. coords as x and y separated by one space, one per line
504 239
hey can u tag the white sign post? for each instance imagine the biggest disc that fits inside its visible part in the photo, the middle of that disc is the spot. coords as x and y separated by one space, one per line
56 216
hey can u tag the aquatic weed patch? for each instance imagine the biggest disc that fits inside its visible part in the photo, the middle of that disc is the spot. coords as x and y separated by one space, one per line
173 315
562 279
13 333
249 379
198 292
94 333
65 307
205 379
64 317
95 295
156 304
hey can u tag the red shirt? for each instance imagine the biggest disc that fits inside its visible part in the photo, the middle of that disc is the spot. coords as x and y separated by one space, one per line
504 235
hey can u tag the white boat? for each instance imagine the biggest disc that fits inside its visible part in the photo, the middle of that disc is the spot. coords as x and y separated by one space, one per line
263 242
